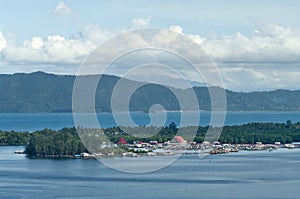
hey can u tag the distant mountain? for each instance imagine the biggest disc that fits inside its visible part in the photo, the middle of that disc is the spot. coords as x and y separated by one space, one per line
42 92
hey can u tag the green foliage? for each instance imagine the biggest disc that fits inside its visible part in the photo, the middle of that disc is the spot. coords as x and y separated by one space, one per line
13 138
54 143
261 132
238 134
68 141
132 134
42 92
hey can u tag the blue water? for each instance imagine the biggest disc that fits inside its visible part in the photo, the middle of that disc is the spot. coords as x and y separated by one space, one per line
240 175
263 174
38 121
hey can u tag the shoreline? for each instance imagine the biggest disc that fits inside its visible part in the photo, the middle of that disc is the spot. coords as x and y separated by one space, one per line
212 150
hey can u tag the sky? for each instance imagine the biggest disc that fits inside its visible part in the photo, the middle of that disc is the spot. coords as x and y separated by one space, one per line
255 44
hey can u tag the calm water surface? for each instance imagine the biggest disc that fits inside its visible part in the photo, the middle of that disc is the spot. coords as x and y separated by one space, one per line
38 121
265 174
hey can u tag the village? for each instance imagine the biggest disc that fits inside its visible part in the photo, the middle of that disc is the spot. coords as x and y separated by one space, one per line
178 145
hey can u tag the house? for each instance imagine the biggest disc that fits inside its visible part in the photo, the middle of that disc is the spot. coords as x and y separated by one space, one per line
277 143
178 139
177 142
122 141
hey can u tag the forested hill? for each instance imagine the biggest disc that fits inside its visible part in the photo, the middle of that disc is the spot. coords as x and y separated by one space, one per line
42 92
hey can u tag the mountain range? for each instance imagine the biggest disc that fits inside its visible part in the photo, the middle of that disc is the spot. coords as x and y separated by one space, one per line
43 92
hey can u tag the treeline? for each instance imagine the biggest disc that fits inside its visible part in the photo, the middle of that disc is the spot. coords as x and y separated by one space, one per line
141 133
251 133
68 141
261 132
64 142
12 138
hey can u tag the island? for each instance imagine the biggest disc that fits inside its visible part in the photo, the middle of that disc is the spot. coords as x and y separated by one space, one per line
134 141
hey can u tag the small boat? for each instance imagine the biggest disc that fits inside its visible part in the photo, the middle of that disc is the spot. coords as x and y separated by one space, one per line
289 146
19 152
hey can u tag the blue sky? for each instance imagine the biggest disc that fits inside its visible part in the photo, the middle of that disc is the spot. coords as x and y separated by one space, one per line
251 41
33 17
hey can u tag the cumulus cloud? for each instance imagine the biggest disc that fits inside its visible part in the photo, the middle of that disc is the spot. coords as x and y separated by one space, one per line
140 22
270 44
260 77
235 77
3 42
267 59
53 49
196 38
259 61
56 49
95 34
176 28
239 57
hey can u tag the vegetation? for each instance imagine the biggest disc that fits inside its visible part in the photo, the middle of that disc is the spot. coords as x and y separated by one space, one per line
42 92
12 138
261 132
251 133
68 141
64 142
131 134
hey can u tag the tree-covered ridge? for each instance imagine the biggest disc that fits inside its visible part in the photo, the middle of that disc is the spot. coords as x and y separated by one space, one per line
42 92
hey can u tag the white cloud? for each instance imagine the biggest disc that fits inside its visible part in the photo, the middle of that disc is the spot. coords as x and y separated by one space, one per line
96 34
53 49
196 38
140 22
56 49
35 43
239 57
64 12
3 42
234 78
176 28
267 77
268 44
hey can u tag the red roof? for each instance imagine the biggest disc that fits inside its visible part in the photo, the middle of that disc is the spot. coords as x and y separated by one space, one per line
122 141
179 139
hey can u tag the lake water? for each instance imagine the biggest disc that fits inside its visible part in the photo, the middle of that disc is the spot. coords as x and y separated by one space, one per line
237 175
38 121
